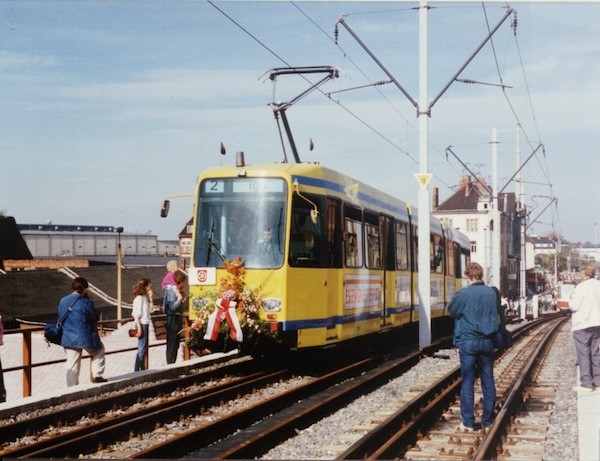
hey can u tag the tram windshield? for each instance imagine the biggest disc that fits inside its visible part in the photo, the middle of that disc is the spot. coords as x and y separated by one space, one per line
241 217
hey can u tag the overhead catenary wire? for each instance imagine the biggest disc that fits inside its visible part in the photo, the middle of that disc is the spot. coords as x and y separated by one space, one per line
342 106
371 127
373 84
357 67
514 26
378 133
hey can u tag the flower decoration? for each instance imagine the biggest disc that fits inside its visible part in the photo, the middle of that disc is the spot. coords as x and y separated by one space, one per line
230 313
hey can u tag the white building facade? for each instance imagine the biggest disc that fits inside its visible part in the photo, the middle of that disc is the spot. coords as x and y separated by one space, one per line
470 210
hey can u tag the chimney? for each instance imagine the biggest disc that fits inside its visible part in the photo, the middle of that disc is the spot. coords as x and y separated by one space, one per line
468 186
436 198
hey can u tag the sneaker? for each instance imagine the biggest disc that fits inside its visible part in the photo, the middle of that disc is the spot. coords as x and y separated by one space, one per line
583 389
99 379
463 428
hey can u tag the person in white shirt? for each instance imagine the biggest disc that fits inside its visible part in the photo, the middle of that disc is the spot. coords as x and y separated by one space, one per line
142 308
585 323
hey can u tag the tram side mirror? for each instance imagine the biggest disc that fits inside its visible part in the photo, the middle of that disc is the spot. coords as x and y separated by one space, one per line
164 210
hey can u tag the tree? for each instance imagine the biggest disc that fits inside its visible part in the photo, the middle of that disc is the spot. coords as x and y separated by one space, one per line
546 261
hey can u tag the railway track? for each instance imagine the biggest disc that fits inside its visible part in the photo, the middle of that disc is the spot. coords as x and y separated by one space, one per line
181 420
178 416
385 424
71 429
428 424
261 437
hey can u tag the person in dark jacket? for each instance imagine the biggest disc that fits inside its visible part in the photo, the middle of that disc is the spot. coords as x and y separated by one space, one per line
476 322
172 307
79 333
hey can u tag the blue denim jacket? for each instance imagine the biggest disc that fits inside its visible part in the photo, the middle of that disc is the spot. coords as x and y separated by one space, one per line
171 306
475 309
79 328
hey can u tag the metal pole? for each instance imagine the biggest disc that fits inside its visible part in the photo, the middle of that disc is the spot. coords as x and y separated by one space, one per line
556 249
424 220
119 264
497 230
522 214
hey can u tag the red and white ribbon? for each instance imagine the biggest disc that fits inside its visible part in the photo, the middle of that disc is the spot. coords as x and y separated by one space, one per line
225 311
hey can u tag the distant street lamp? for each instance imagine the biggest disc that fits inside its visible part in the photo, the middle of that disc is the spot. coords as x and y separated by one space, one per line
119 265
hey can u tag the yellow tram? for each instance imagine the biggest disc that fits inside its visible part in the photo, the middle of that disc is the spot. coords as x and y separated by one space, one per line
335 259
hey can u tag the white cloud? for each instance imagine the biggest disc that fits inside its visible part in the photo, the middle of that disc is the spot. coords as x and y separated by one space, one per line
11 61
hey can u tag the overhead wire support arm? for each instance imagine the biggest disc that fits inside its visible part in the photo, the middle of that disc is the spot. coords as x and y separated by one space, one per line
455 77
532 221
520 168
485 186
466 80
382 82
383 68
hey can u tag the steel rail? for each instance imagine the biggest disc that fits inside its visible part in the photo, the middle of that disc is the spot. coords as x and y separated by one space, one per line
117 429
184 443
493 437
81 437
403 427
261 438
78 409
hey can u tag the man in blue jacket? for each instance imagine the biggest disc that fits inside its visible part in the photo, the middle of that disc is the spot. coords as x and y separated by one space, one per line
476 321
79 332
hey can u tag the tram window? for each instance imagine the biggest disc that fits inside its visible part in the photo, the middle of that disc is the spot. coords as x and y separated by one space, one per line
464 260
306 244
450 255
436 254
388 247
234 215
353 238
457 266
401 246
373 247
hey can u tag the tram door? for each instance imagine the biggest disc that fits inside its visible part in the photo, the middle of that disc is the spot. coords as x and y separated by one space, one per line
386 225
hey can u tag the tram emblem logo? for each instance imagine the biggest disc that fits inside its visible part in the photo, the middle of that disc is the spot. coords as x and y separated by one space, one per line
202 276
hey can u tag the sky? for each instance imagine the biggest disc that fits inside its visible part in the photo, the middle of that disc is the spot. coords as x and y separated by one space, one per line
108 107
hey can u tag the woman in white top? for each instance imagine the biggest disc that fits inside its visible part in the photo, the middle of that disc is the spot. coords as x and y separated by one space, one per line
142 302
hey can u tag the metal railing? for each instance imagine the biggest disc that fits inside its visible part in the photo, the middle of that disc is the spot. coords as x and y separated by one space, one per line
104 327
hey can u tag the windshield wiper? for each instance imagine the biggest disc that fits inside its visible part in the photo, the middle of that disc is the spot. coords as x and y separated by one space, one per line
213 246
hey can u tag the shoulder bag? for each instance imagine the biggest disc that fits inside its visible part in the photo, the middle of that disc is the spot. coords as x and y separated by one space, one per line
53 331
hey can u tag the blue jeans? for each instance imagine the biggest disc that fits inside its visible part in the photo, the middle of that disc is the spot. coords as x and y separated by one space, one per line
477 357
174 321
174 325
140 363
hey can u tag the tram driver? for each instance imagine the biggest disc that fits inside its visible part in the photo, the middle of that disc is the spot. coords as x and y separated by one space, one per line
267 251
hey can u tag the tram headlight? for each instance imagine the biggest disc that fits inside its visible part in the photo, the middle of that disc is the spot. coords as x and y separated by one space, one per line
271 304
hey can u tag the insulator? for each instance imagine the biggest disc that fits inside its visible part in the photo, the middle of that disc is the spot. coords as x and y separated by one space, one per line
514 23
336 33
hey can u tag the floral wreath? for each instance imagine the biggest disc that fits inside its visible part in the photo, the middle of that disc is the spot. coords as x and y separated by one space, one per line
231 312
